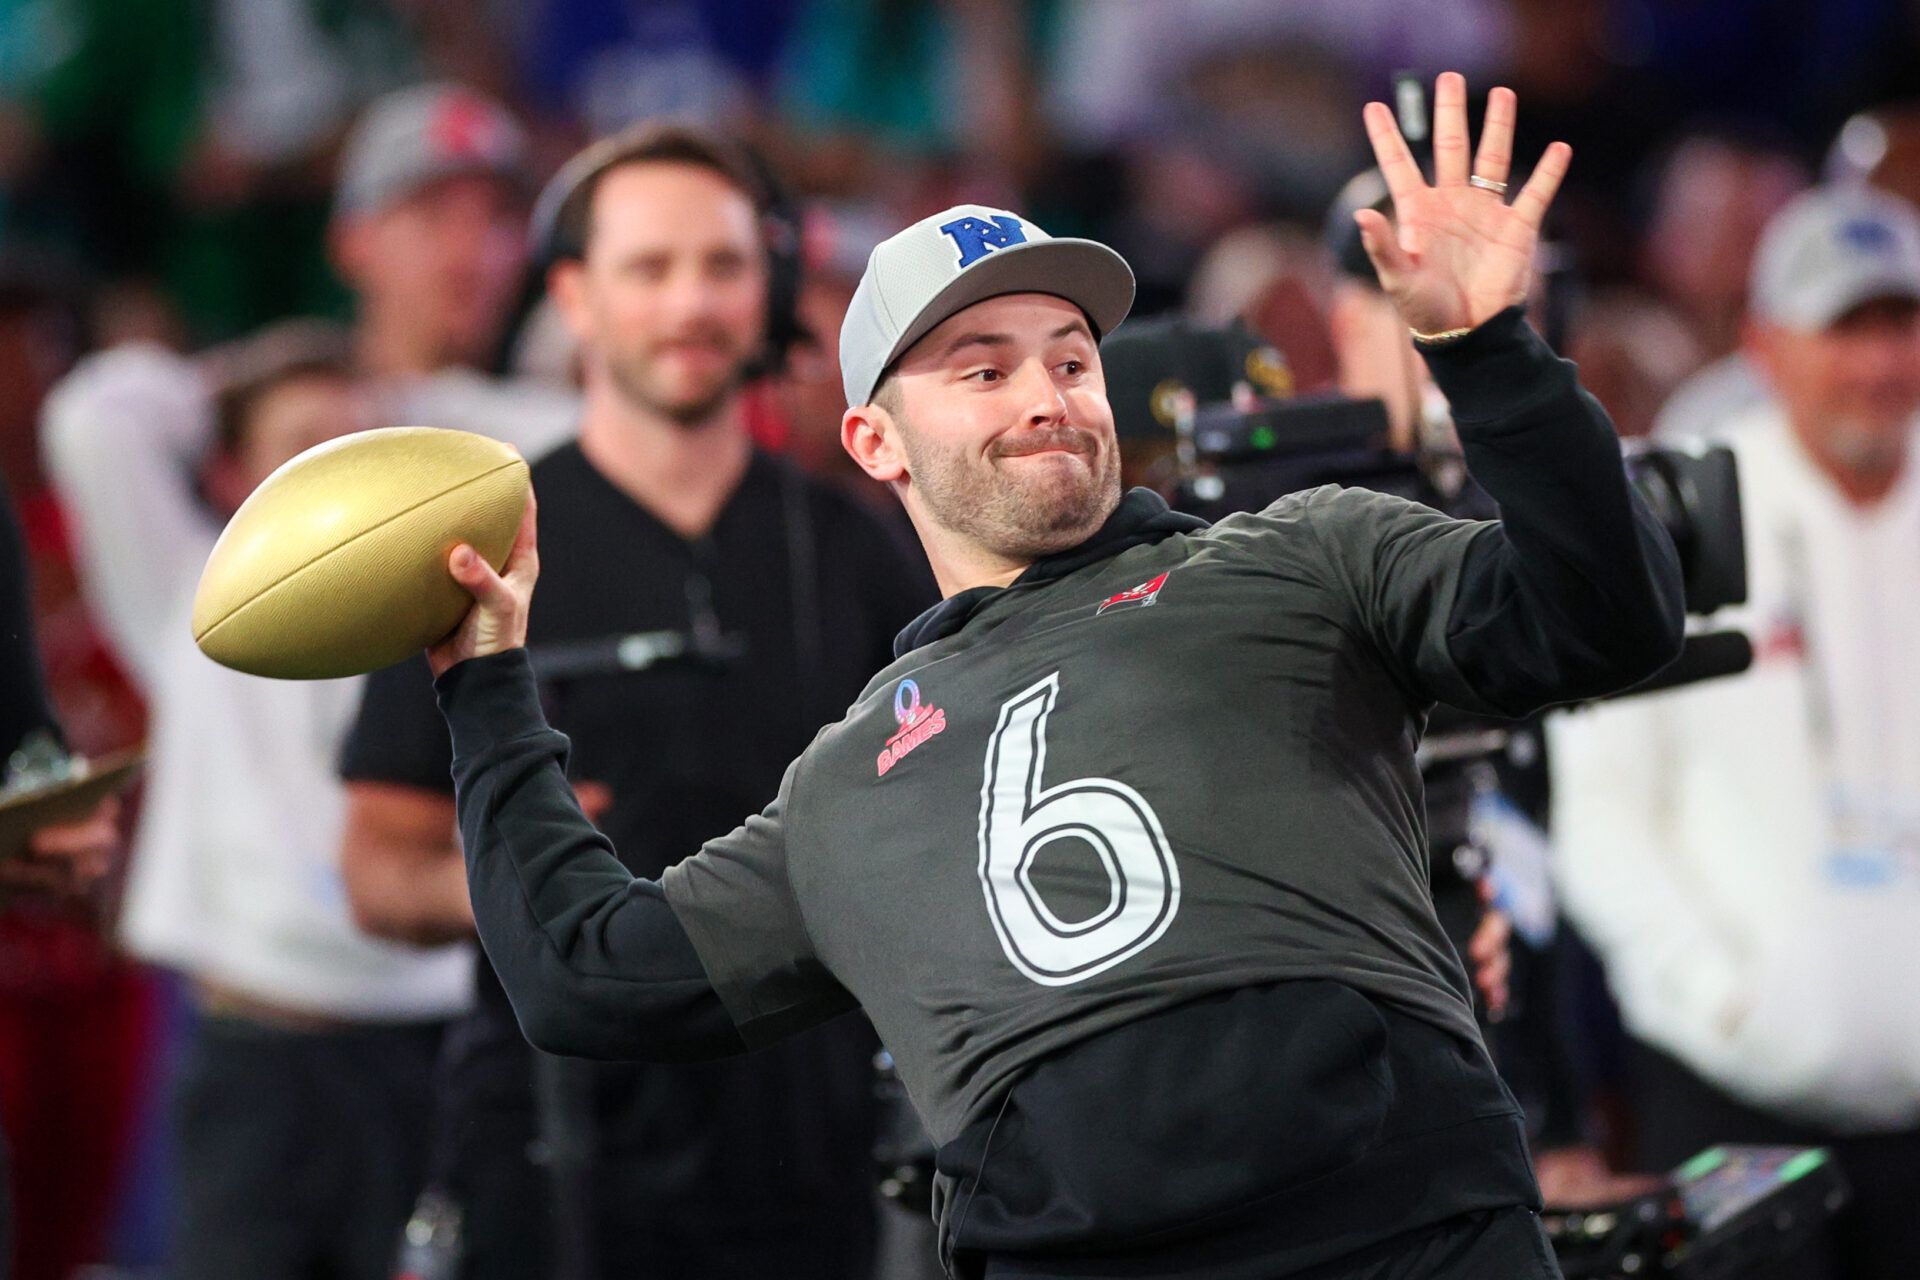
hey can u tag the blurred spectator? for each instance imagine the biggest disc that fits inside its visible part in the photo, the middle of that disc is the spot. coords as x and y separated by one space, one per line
1243 267
834 247
74 1016
64 859
310 1037
1740 851
433 175
704 609
429 227
1714 196
69 857
1633 351
429 231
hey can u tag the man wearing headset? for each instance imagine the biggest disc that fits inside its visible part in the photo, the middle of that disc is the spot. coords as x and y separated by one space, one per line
707 608
1124 854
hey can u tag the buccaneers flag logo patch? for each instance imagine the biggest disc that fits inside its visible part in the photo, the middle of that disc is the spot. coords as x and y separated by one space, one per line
1144 594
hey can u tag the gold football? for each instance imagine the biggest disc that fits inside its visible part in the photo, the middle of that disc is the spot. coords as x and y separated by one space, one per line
337 564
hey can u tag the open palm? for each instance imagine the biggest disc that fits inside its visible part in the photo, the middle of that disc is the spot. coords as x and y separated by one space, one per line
1456 254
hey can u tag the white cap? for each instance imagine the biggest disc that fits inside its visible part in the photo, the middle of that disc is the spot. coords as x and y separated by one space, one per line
1830 250
944 264
416 136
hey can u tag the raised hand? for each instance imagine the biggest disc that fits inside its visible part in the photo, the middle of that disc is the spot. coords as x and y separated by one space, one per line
1456 253
501 601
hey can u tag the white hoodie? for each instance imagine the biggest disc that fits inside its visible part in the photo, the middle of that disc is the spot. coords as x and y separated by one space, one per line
1745 853
235 875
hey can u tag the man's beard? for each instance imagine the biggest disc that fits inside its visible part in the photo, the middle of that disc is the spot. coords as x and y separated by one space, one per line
1865 452
1019 512
633 374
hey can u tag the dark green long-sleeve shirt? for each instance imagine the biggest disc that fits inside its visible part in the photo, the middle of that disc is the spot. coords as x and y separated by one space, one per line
1173 764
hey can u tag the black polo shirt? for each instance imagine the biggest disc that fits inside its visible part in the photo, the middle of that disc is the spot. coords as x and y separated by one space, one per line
687 674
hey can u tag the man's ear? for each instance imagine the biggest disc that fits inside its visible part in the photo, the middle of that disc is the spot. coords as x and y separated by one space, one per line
871 437
566 285
1759 343
347 248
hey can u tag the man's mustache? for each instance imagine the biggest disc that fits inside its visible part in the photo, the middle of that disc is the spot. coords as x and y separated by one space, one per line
713 339
1040 439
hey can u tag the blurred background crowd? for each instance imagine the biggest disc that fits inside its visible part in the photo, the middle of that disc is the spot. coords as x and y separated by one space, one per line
177 175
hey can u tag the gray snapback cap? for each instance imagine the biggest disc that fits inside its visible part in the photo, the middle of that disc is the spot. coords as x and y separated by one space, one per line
944 264
1831 249
415 136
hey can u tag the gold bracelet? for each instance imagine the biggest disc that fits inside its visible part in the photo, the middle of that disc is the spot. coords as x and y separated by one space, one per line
1440 338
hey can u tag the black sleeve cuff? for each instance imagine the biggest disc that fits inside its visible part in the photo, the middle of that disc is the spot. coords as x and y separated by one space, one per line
1496 370
490 700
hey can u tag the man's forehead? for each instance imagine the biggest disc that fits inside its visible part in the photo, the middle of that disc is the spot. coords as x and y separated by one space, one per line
1019 317
629 195
451 188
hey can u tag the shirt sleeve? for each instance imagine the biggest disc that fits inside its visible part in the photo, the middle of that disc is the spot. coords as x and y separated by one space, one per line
593 959
399 735
737 904
1622 871
1575 592
123 434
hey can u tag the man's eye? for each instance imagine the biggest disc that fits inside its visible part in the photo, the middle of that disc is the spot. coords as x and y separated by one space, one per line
985 375
1073 368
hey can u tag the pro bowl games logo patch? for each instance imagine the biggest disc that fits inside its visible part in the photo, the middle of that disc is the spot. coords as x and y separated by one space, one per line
917 724
1138 598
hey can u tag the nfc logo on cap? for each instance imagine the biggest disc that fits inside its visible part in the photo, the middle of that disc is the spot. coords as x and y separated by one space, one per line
977 238
1868 235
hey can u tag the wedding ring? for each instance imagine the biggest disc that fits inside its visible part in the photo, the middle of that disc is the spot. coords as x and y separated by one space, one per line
1487 184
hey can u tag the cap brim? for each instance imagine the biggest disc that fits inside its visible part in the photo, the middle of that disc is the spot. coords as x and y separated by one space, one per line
386 194
1843 294
1084 272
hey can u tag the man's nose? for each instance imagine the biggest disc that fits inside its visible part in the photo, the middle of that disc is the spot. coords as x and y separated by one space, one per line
1042 400
687 296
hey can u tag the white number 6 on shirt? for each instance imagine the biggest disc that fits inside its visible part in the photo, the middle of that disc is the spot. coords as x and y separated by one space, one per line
1019 818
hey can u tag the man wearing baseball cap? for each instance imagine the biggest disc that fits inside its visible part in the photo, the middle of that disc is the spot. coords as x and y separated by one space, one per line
1123 855
1740 854
429 227
1831 324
